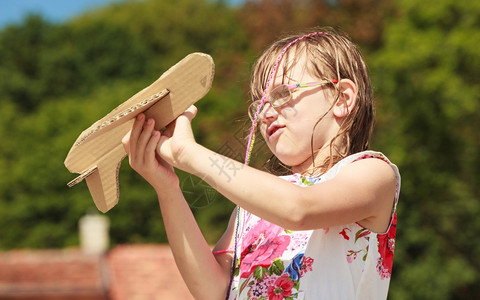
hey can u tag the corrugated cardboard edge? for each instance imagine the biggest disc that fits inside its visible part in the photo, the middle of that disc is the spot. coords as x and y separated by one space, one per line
144 103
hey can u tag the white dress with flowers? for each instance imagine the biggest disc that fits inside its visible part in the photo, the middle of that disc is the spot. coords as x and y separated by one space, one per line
342 262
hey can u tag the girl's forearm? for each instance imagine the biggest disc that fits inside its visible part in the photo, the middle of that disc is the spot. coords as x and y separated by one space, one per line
247 187
204 276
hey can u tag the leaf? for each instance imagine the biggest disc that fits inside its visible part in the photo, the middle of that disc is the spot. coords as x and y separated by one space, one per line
361 233
305 181
260 272
277 267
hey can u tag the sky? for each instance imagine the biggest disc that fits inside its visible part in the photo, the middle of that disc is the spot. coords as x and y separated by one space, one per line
14 11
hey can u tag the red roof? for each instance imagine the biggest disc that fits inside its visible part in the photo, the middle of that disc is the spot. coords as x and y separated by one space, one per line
126 272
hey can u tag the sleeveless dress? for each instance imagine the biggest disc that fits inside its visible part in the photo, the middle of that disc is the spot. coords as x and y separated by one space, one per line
341 262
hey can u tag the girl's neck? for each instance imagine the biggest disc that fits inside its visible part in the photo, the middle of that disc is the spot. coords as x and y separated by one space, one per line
315 165
321 161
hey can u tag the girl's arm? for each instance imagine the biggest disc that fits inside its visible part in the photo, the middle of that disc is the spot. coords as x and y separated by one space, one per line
362 192
205 277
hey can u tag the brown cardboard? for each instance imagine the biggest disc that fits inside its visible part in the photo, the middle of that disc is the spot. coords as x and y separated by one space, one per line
98 152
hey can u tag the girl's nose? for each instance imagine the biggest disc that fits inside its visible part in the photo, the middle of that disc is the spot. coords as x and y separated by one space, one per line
268 114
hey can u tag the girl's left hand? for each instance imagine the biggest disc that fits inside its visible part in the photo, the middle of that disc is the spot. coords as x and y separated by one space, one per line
140 144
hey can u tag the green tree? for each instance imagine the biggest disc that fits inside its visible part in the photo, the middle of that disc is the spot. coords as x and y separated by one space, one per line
60 78
20 50
41 61
363 20
427 77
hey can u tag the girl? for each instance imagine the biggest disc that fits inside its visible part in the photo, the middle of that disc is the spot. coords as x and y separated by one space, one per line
327 230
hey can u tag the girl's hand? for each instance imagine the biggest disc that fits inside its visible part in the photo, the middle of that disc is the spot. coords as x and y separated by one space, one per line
140 144
177 139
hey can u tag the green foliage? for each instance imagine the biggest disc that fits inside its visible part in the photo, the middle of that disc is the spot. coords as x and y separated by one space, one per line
20 51
427 74
41 61
57 79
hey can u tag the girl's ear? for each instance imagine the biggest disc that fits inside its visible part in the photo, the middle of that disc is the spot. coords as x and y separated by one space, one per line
347 100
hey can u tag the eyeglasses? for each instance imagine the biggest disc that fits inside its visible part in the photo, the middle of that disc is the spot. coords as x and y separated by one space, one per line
281 95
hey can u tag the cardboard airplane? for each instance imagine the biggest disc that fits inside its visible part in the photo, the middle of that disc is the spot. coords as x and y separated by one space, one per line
98 152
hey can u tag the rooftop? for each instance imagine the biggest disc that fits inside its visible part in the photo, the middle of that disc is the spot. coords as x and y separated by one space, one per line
125 272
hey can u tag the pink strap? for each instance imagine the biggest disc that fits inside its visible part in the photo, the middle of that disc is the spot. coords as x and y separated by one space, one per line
223 251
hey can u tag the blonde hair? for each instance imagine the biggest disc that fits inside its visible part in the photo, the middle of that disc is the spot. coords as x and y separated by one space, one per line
330 55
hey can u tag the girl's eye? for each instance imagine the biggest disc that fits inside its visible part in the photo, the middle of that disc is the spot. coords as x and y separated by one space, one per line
279 94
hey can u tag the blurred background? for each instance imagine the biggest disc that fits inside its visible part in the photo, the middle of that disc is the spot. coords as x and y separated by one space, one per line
60 73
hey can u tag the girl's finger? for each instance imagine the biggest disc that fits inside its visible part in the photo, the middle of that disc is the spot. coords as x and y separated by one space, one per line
149 155
189 114
135 133
126 142
143 139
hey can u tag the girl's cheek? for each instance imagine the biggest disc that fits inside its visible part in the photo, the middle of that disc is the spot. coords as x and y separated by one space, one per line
289 112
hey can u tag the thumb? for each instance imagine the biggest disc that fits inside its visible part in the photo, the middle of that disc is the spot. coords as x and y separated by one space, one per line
190 113
184 121
177 136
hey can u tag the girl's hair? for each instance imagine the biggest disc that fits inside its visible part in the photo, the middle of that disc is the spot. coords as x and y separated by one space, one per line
330 55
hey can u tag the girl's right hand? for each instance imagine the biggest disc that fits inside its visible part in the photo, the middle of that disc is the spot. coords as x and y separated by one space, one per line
177 142
140 144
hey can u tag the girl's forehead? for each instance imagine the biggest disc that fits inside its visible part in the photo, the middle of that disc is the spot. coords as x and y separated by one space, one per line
293 67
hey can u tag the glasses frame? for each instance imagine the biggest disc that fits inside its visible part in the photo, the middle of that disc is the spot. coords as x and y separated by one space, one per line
276 103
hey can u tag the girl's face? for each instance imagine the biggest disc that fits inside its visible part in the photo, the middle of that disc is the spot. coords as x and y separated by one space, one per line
288 129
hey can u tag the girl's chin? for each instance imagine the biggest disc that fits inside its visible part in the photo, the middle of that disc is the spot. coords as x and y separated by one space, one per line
288 154
290 161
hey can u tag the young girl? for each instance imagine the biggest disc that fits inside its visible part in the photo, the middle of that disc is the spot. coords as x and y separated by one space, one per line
327 230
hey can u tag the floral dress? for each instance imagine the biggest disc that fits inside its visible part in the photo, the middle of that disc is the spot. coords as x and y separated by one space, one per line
341 262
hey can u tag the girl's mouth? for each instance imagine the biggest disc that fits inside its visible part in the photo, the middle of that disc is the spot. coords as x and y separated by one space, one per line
273 129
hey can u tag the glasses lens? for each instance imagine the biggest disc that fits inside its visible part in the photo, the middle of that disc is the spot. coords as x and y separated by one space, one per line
252 109
279 95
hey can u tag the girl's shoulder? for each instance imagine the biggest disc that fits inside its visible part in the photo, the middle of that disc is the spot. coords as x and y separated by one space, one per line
303 180
368 154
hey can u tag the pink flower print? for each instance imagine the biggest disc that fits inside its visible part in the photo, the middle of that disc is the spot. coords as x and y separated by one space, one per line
352 255
350 259
344 233
294 178
307 265
281 288
299 241
382 270
261 246
386 247
264 254
257 234
260 287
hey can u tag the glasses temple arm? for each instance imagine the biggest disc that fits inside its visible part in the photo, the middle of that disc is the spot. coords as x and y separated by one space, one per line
309 84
